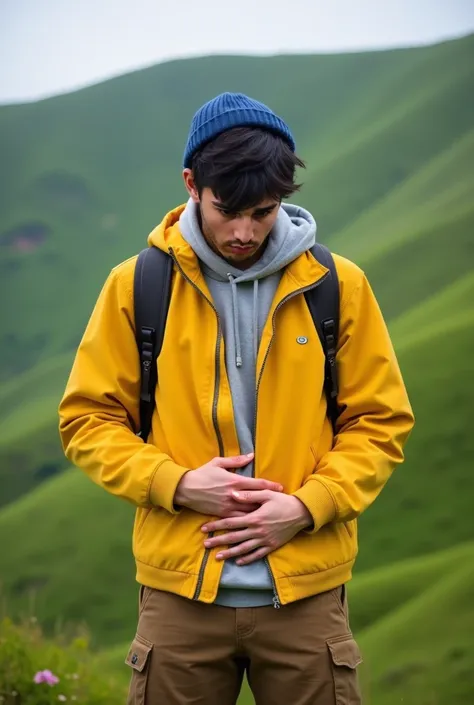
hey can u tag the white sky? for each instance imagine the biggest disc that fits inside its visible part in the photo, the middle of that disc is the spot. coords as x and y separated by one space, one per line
53 46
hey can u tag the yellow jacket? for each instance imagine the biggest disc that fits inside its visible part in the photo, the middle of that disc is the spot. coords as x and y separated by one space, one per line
336 479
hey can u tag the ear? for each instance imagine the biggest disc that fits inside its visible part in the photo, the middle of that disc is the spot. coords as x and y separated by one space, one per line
190 185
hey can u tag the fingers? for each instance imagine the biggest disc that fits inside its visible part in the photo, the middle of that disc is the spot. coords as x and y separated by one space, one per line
269 485
240 511
231 538
259 496
227 524
254 484
239 550
235 461
254 556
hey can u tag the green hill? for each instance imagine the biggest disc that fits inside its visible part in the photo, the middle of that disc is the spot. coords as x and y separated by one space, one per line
426 504
72 544
422 653
30 450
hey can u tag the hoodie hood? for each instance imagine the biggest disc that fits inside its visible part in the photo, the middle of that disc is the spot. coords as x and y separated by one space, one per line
294 232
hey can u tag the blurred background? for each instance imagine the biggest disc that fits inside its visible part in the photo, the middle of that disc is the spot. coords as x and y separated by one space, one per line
95 103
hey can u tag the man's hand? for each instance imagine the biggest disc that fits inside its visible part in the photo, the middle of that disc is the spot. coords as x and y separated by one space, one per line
208 489
274 523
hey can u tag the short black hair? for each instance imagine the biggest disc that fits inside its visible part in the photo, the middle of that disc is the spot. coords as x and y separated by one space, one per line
246 165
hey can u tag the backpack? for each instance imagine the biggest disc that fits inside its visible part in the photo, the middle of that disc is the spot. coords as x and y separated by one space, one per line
152 289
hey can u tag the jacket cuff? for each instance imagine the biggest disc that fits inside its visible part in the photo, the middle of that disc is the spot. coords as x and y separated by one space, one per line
319 502
165 480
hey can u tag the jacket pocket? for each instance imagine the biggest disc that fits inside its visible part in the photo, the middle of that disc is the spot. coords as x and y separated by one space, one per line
138 658
345 657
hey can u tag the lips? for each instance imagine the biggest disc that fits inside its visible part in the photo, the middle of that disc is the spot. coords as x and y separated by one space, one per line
239 248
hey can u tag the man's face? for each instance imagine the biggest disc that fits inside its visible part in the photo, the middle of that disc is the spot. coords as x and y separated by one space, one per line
239 238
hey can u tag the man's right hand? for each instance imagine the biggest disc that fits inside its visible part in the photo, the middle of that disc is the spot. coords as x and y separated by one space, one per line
208 489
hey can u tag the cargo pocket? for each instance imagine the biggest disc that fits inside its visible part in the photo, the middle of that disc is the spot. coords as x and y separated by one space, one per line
345 657
138 659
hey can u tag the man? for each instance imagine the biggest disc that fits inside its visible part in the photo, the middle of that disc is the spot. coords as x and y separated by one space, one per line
246 499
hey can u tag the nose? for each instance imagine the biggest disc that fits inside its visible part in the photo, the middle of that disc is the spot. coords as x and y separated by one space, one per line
243 232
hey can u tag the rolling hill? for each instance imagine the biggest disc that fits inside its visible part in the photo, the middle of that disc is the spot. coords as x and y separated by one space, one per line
389 142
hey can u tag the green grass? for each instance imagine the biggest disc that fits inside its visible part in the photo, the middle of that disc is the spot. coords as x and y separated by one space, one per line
423 652
426 505
436 193
24 652
30 449
445 311
72 546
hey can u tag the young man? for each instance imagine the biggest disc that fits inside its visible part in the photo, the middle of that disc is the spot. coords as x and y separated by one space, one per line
246 498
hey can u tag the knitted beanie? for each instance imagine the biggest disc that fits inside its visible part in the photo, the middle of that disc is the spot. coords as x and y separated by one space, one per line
230 110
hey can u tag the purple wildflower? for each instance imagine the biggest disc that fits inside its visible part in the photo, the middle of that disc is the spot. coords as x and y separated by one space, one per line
46 677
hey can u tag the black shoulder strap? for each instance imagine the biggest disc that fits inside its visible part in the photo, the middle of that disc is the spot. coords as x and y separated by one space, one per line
152 288
323 303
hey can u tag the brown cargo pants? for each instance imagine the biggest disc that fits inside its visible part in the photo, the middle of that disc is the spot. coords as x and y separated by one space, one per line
190 653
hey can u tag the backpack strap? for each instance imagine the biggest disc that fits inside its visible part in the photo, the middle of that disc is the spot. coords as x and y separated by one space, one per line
323 303
151 290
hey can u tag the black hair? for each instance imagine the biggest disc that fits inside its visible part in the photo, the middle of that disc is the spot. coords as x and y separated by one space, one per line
246 165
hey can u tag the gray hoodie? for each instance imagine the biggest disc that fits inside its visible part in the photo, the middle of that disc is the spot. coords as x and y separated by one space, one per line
243 299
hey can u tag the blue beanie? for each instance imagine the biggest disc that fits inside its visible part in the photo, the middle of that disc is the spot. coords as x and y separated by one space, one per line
230 110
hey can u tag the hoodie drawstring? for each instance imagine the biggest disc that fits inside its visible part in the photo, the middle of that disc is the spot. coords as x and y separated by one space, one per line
255 319
235 316
235 313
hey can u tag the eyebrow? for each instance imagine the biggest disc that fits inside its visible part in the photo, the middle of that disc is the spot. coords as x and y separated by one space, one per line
263 209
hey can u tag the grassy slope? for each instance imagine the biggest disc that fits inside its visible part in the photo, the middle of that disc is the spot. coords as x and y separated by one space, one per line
426 504
30 449
72 545
423 652
443 312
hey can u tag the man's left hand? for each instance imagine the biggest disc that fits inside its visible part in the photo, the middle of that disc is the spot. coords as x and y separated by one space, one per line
274 523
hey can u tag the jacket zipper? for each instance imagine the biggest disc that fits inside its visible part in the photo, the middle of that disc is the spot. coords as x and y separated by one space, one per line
214 407
276 598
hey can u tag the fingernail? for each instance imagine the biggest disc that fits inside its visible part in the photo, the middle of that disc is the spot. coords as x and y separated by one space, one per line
219 556
204 528
249 455
235 493
207 544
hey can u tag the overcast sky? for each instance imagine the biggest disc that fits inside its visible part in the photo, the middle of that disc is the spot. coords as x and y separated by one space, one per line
52 46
